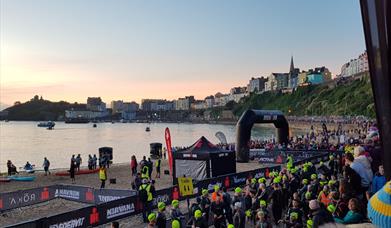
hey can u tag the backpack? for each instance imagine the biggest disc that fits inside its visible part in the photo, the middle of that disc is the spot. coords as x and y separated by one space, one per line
143 194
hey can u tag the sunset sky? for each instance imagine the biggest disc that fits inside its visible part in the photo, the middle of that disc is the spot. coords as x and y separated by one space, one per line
129 50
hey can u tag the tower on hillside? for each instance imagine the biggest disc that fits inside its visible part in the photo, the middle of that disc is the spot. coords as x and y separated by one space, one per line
293 75
292 68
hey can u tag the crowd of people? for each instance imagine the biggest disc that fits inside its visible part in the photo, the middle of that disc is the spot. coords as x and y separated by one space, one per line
309 195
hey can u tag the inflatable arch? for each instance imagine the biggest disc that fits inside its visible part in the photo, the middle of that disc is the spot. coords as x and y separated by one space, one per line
246 122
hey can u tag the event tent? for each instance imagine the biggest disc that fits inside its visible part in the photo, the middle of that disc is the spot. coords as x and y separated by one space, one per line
203 160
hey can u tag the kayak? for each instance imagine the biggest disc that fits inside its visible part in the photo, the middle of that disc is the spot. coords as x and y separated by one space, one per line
4 179
21 178
29 170
82 171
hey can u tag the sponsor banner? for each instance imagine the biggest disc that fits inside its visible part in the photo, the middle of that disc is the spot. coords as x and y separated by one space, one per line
107 195
118 209
22 198
75 193
84 217
165 195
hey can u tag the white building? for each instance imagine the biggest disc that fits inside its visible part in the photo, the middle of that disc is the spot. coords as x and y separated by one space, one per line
256 85
221 99
363 62
355 66
130 106
198 105
209 101
96 104
183 103
117 106
156 105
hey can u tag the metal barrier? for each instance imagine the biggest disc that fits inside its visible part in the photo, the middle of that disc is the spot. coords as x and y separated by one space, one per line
22 198
124 207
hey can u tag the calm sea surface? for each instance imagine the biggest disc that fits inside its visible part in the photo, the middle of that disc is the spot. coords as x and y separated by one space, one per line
24 141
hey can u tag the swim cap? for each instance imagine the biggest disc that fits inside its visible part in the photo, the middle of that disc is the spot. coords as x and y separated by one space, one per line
175 203
238 190
331 157
175 224
262 180
321 163
294 215
253 181
277 180
248 213
332 182
216 188
197 214
161 205
151 217
313 176
331 208
230 226
305 169
293 170
305 181
308 195
310 223
262 203
271 174
204 192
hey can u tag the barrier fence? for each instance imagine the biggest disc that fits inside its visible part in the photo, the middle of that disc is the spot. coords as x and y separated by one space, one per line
105 212
82 194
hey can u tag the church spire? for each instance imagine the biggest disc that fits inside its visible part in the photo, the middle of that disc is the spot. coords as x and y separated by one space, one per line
292 68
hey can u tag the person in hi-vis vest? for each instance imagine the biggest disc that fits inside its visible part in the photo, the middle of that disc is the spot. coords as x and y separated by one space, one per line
102 176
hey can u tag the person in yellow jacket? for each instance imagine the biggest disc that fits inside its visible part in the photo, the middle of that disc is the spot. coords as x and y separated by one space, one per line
102 176
145 193
145 172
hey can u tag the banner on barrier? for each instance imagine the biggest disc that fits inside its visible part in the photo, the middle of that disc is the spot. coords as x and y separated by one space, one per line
107 195
22 198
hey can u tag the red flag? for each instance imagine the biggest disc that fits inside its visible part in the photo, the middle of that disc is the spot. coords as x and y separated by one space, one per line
167 136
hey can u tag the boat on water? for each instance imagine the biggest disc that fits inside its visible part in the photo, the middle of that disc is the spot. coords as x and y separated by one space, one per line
49 124
147 129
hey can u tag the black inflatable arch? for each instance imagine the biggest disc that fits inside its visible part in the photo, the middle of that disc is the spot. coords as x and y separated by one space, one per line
246 122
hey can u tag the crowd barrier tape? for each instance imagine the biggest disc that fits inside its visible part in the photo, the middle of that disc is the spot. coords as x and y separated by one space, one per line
106 212
82 194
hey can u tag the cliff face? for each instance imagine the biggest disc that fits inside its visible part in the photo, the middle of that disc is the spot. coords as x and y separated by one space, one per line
353 98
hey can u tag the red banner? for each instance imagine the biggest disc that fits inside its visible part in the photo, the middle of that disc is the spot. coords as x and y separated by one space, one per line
167 136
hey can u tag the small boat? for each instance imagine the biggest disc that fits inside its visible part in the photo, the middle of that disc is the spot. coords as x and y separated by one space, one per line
82 171
49 124
147 129
5 179
22 178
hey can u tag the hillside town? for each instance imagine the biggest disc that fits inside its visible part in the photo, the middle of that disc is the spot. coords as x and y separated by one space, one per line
155 109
